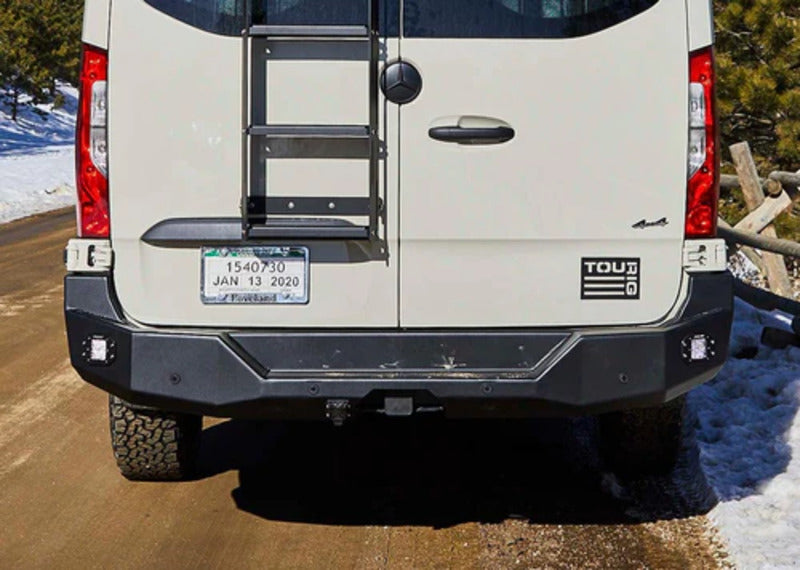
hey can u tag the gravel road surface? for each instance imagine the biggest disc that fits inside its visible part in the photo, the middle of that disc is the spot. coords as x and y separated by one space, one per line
422 493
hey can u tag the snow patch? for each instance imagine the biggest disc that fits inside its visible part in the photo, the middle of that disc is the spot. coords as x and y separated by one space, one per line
37 158
748 432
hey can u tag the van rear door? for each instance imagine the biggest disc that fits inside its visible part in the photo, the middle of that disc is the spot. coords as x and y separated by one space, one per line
577 219
178 106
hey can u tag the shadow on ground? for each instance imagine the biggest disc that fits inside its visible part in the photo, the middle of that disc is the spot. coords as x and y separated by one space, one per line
429 472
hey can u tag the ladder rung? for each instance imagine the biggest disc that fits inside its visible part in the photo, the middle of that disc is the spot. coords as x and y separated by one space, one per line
310 131
311 229
355 32
309 205
312 141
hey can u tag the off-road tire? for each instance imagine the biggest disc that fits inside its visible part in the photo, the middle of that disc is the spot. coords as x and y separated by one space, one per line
151 445
644 441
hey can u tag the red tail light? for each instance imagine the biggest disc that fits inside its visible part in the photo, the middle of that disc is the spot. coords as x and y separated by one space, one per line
91 150
703 185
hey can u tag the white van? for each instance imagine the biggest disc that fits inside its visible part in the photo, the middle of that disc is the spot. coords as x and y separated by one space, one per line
324 208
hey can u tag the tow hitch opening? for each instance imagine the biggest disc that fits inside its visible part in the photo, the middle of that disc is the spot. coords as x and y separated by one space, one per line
392 406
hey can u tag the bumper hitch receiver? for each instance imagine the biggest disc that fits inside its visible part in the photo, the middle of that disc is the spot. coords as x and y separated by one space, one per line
338 411
559 372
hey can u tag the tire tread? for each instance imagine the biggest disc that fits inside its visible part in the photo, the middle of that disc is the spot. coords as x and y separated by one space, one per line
151 445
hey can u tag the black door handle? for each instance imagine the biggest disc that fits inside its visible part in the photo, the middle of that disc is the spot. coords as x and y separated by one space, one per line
472 135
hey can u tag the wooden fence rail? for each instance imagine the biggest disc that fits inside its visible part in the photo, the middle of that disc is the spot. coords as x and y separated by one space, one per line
755 199
773 184
765 198
764 299
775 245
772 200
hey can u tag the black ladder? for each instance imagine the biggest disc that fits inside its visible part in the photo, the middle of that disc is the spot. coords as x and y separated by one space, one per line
267 218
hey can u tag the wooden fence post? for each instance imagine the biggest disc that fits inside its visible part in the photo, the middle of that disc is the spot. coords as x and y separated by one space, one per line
777 276
748 251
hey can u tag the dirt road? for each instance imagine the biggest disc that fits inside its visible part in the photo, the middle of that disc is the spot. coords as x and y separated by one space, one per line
375 494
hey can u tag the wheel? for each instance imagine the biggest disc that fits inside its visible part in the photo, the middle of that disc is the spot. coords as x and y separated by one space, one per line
644 441
151 445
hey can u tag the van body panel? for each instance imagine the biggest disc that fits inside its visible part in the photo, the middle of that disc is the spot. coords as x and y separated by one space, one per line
477 235
175 138
96 22
701 23
495 235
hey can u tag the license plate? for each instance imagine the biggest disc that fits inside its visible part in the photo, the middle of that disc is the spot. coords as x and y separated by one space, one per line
255 276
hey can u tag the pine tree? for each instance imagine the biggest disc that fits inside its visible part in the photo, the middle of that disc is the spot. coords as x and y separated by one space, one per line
39 46
758 62
16 59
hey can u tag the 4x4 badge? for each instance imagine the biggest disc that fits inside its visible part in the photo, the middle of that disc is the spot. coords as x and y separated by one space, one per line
642 224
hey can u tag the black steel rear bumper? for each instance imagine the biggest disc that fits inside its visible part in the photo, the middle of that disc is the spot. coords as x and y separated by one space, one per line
494 373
